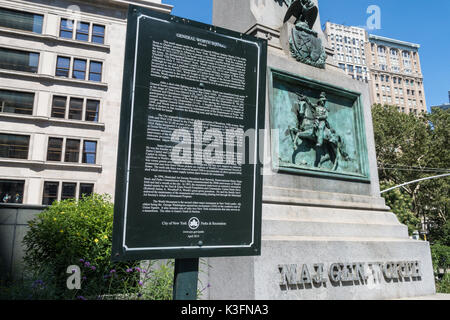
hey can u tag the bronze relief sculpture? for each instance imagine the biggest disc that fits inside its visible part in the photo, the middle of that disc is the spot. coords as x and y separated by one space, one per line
313 126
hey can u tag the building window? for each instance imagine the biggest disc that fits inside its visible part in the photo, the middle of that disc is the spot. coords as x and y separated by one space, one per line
55 149
79 66
72 150
14 146
11 191
16 102
76 109
76 106
79 69
63 67
89 152
66 28
21 20
69 190
92 110
19 60
95 71
59 107
86 189
72 153
98 34
50 193
83 31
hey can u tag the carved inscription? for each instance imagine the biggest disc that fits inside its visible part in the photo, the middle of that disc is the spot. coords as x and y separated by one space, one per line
294 276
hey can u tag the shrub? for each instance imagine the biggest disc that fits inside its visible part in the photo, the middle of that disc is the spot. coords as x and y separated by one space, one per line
401 204
79 232
443 285
440 255
159 285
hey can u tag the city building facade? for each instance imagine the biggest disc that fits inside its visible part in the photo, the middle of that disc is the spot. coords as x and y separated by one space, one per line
61 65
349 44
396 74
391 67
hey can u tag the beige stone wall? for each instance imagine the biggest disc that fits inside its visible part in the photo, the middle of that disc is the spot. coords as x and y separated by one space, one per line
350 52
397 82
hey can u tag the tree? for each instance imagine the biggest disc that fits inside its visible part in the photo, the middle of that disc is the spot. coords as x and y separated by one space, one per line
411 147
401 203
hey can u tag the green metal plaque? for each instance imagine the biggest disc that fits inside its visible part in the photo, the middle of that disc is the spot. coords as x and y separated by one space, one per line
179 193
319 129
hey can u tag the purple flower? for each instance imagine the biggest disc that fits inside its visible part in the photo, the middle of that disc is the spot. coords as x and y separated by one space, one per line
81 298
37 283
81 260
93 268
84 278
129 270
87 264
137 269
112 271
140 283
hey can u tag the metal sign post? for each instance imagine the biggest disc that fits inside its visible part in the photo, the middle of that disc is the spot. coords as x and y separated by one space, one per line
185 279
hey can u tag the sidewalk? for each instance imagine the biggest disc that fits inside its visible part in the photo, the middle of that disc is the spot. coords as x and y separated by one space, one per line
438 296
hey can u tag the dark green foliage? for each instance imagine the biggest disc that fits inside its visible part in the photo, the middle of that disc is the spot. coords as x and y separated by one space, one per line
411 147
401 203
79 233
443 285
440 254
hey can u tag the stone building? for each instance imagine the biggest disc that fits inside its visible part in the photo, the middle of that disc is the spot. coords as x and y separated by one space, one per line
391 66
61 65
349 44
396 74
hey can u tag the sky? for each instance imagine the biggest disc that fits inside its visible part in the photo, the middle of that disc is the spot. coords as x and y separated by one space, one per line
423 22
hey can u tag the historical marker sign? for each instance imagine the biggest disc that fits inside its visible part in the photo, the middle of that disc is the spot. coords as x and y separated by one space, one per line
187 186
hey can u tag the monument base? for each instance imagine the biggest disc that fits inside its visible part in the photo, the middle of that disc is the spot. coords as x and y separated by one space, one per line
326 233
321 253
